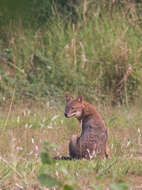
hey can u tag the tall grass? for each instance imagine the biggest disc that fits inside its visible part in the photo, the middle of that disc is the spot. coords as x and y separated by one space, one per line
98 55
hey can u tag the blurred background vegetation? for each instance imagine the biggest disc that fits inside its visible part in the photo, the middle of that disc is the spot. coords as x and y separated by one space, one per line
90 47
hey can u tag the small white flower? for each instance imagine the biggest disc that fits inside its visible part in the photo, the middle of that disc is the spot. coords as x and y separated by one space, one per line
128 143
30 126
26 126
57 174
47 104
44 119
41 124
54 117
18 119
36 147
29 112
50 126
24 112
13 139
49 67
33 141
19 148
30 153
77 174
139 131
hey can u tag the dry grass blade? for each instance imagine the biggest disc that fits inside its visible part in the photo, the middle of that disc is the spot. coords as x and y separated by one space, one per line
11 166
9 111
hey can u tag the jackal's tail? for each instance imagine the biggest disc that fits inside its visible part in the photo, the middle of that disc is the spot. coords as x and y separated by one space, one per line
62 158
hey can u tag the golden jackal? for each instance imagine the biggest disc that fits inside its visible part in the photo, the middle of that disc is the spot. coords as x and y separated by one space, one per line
93 139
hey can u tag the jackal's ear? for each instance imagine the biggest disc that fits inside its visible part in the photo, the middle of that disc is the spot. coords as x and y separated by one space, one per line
68 98
79 99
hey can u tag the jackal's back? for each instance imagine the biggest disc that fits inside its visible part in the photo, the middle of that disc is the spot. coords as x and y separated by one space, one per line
93 139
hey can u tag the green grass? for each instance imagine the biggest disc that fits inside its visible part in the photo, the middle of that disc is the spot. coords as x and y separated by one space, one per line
39 129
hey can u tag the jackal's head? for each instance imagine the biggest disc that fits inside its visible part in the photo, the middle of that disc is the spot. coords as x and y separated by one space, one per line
73 107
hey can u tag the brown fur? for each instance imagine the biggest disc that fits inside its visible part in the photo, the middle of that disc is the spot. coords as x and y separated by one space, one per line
93 139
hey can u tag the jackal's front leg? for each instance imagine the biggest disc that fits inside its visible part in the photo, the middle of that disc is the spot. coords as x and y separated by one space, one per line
73 147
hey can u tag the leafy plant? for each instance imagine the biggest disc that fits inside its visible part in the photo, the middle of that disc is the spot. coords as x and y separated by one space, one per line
45 178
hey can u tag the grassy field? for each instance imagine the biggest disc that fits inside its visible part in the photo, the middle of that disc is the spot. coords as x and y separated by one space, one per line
93 50
28 130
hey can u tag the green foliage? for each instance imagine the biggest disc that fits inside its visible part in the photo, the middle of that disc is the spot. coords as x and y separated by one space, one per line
45 158
34 11
96 187
119 186
47 180
98 55
67 187
47 154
